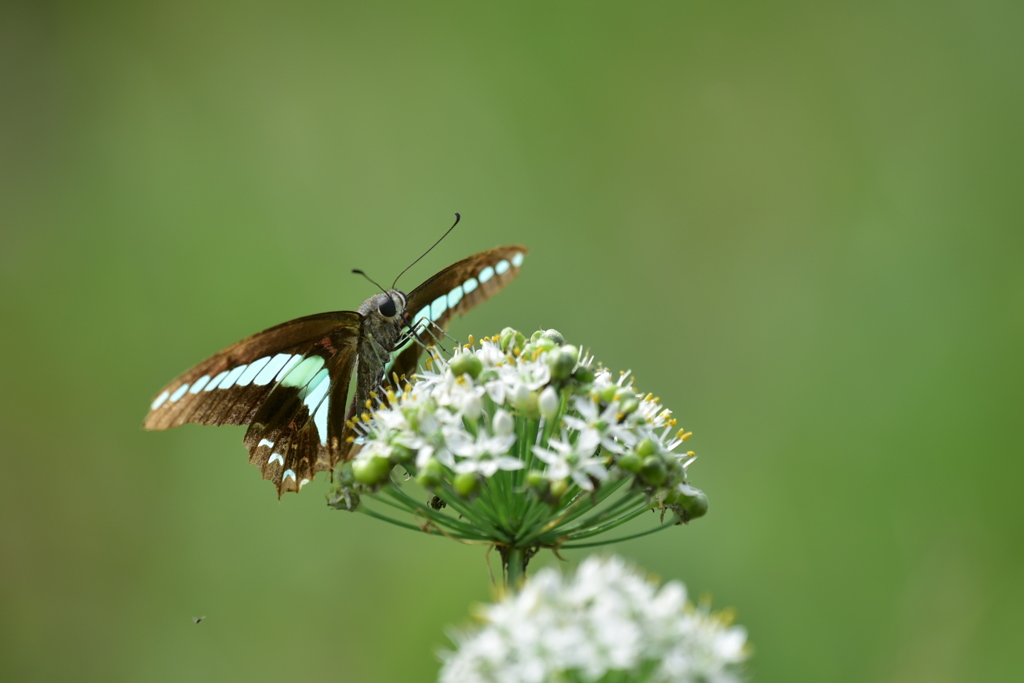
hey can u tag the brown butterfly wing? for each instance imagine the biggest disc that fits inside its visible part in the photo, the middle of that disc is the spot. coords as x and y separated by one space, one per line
433 304
288 383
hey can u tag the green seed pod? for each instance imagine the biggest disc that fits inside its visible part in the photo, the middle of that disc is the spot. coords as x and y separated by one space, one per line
558 488
646 447
691 501
467 364
466 484
431 475
553 335
536 481
583 375
630 462
371 471
607 394
544 344
562 365
654 470
400 453
628 405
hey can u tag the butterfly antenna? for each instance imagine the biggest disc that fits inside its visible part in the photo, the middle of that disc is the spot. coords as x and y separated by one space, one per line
359 272
457 219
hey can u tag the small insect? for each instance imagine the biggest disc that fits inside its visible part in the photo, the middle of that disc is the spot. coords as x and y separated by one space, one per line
290 383
197 619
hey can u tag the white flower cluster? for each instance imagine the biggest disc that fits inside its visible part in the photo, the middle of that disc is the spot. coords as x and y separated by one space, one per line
466 419
608 619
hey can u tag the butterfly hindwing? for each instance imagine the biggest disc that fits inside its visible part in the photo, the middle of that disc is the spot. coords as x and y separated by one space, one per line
299 429
455 290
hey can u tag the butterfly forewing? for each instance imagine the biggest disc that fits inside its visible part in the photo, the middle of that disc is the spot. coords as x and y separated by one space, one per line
290 383
228 387
456 289
280 382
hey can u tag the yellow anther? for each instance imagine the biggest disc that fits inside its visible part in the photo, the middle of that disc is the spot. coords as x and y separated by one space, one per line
648 397
686 436
350 439
369 403
365 417
471 340
690 453
373 395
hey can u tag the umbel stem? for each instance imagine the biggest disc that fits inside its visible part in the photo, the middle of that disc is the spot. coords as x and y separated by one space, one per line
513 565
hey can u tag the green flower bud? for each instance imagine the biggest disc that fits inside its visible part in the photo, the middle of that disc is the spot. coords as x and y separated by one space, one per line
544 344
431 475
563 364
467 364
558 488
628 405
691 501
553 335
646 447
583 375
371 471
400 453
607 394
536 481
466 484
630 462
654 470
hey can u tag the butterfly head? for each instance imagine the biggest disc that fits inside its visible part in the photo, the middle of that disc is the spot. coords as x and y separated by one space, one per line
390 304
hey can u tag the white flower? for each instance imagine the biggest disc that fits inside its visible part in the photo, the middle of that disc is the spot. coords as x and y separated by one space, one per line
609 619
565 459
601 428
485 454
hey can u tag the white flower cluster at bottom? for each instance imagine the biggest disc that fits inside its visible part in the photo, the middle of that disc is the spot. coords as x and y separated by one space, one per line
608 620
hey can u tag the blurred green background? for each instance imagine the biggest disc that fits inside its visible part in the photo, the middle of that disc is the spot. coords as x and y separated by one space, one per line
799 223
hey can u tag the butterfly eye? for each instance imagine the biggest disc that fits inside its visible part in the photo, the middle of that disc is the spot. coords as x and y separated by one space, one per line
387 308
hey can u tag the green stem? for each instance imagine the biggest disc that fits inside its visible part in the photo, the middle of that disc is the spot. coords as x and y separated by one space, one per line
514 559
573 546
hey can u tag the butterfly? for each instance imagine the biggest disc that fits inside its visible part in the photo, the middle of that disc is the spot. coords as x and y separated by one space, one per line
290 383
